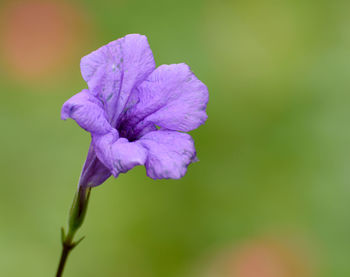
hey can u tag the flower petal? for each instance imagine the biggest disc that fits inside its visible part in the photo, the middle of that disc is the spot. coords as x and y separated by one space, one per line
115 69
87 111
172 97
119 155
166 154
94 172
169 154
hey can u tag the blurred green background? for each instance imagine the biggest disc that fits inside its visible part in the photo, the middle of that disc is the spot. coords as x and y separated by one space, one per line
270 195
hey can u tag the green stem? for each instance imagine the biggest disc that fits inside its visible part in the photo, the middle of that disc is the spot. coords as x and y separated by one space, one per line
76 219
65 252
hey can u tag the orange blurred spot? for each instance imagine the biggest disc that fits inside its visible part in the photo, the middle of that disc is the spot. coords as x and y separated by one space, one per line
262 258
268 259
39 36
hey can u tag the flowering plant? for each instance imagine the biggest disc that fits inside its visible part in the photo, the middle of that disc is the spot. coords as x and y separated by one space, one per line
137 115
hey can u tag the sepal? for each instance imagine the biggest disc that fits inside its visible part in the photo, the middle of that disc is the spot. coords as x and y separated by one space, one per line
78 210
76 217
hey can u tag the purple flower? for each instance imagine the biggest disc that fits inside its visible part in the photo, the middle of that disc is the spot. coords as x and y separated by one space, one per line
136 113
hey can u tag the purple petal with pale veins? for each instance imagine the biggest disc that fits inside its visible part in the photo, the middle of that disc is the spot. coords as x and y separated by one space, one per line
166 154
169 154
172 97
114 70
119 155
87 111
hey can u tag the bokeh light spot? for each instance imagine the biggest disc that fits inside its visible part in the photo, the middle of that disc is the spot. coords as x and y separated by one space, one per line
261 257
39 37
